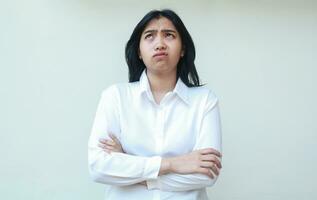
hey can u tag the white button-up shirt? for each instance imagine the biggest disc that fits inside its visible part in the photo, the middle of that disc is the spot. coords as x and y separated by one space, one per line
186 119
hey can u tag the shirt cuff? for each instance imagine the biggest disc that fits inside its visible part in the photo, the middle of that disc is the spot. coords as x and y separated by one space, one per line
152 167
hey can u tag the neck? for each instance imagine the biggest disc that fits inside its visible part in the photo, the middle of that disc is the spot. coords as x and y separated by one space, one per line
161 83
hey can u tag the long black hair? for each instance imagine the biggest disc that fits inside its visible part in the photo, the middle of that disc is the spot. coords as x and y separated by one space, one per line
186 69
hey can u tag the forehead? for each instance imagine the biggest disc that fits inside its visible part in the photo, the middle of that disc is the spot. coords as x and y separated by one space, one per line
159 24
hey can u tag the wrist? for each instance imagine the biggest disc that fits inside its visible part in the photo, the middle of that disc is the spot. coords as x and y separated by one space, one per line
165 166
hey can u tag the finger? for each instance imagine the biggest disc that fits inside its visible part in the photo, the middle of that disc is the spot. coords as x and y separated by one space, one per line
111 135
206 171
215 170
210 151
210 174
109 147
110 143
114 138
101 145
107 150
105 146
211 166
103 141
211 158
217 162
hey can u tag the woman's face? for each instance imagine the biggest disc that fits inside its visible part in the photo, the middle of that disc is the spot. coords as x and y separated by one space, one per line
160 46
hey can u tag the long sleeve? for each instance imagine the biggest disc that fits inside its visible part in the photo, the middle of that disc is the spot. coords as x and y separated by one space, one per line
209 137
115 168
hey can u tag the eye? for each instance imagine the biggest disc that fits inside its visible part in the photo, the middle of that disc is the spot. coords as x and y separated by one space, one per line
170 35
148 36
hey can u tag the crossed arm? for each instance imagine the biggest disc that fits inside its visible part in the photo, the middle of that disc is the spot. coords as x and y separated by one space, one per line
197 169
205 161
109 164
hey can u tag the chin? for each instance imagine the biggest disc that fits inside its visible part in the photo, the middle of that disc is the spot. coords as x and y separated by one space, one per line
164 70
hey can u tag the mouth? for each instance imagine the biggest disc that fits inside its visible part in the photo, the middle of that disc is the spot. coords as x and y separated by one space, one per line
160 55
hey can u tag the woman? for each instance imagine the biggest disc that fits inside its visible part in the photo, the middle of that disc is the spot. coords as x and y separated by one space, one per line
158 136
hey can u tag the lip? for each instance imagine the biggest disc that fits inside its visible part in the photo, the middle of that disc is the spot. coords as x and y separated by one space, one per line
160 54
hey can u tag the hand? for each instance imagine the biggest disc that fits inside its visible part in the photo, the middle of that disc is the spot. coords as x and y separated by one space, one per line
112 145
204 161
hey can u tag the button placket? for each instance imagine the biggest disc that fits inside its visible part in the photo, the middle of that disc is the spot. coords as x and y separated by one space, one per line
160 129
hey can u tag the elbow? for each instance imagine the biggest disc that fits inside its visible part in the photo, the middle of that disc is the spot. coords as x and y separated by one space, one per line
101 177
95 175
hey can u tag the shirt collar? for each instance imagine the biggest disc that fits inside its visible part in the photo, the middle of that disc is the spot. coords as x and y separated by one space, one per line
180 89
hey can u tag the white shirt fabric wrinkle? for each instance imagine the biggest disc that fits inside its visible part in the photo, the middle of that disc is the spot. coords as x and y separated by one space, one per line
186 119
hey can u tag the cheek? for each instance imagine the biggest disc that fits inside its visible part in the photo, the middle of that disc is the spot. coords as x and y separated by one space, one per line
145 55
177 50
177 47
144 48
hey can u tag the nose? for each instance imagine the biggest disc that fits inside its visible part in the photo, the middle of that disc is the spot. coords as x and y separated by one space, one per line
160 45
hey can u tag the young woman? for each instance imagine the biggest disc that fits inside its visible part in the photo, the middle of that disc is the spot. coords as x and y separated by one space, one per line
158 136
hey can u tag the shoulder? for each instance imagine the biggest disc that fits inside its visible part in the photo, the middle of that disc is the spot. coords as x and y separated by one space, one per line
204 96
109 91
202 93
118 90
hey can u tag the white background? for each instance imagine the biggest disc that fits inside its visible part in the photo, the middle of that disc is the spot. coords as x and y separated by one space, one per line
259 57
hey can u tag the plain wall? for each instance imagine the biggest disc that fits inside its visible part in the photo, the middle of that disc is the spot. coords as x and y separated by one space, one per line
259 57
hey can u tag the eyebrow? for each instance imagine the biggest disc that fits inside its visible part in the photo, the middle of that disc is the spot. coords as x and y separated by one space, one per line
163 30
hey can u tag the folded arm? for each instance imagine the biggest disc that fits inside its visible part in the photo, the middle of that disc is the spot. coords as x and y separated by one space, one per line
115 168
195 170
